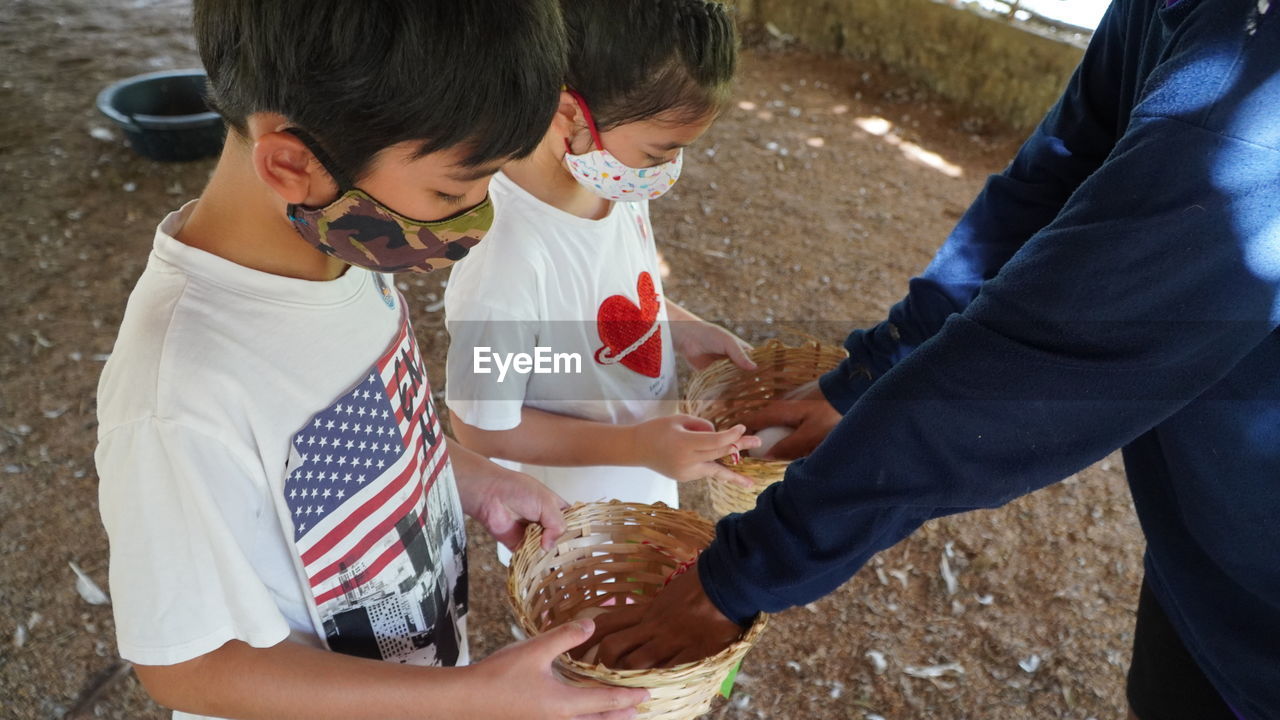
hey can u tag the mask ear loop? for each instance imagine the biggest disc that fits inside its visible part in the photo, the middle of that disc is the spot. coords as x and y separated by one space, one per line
339 177
344 182
345 185
586 115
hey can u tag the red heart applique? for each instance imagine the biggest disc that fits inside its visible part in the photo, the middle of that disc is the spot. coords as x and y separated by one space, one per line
621 324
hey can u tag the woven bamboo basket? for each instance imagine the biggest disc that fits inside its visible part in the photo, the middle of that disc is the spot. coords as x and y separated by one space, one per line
723 393
616 554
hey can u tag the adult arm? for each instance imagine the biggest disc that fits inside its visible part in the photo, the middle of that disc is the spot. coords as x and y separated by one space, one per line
1070 144
1120 312
1127 307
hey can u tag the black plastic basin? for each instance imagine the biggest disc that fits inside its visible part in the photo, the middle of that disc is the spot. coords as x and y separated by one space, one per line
164 115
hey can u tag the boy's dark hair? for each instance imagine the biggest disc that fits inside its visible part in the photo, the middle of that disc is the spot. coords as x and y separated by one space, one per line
637 59
362 75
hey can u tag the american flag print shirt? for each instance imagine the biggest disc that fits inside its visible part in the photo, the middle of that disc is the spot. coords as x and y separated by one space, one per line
377 520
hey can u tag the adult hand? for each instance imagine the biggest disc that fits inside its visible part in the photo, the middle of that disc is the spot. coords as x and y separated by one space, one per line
681 625
518 682
808 412
685 447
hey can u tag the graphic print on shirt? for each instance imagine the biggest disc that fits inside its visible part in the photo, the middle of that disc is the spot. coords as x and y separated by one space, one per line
377 519
630 332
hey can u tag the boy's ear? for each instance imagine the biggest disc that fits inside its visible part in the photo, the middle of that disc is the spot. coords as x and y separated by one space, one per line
285 165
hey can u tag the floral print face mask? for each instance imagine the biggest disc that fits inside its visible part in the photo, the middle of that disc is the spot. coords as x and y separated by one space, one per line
603 174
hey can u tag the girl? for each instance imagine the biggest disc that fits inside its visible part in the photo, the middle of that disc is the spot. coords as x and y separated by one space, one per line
569 275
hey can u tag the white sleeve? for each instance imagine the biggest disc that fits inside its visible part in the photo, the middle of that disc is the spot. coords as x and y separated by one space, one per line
477 388
181 512
492 310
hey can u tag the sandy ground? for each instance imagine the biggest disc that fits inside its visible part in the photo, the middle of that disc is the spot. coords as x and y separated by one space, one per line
810 204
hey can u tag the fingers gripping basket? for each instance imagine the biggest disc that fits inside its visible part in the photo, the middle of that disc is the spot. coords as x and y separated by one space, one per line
616 554
724 393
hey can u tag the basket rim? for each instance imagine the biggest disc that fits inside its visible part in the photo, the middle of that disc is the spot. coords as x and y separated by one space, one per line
732 372
531 543
773 343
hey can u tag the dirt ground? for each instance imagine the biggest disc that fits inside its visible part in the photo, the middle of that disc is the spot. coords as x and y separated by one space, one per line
810 203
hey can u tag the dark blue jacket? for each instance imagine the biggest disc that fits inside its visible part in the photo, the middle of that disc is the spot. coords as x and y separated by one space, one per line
1118 286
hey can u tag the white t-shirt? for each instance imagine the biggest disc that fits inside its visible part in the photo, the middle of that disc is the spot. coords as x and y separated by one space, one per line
589 289
272 466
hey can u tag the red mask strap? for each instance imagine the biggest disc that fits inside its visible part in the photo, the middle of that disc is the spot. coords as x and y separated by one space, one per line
586 115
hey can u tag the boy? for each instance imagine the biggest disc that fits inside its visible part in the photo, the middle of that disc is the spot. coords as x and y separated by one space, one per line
280 499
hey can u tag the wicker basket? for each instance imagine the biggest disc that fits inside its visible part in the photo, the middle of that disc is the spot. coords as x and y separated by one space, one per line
723 392
616 554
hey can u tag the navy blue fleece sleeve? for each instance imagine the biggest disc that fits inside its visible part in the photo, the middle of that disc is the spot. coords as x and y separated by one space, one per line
1070 143
1157 277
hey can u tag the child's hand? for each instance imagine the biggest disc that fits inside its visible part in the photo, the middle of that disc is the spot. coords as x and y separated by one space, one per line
701 343
518 682
505 501
685 447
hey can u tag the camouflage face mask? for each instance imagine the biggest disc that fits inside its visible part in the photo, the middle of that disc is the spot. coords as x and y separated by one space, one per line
360 231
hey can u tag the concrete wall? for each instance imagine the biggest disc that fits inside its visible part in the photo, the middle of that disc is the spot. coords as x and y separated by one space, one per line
996 67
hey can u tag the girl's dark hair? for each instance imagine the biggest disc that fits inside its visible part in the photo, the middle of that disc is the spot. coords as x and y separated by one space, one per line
637 59
361 76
